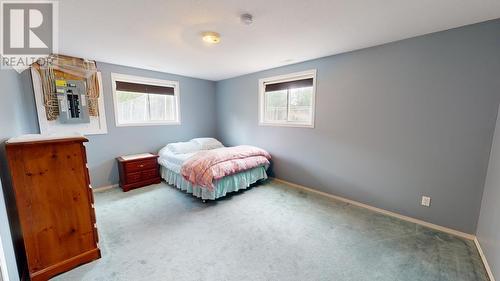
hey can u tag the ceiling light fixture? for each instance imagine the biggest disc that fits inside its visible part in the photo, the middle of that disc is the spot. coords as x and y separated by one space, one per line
246 19
211 37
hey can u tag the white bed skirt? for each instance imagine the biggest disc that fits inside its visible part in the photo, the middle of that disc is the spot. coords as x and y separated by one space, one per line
223 186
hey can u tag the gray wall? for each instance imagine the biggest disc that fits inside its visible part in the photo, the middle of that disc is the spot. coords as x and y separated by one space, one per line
197 101
488 230
393 123
17 116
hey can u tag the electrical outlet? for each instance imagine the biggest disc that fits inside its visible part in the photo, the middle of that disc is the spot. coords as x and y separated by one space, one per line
426 201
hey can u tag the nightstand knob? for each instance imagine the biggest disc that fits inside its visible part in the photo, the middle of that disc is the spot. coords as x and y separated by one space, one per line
142 165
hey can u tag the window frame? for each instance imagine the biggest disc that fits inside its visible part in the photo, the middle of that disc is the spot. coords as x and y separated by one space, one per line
286 78
150 81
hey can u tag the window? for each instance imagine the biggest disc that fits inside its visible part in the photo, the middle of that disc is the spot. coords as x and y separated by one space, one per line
143 101
288 100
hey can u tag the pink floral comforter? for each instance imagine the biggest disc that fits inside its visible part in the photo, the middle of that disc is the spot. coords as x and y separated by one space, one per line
208 165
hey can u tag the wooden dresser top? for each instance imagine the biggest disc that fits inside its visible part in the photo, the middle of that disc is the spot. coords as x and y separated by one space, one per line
44 139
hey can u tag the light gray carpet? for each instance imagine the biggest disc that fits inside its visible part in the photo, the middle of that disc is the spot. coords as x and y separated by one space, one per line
269 232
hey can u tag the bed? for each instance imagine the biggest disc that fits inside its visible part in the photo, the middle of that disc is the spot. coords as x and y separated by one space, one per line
179 163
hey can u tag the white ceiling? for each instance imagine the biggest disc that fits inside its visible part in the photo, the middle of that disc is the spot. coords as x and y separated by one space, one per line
165 35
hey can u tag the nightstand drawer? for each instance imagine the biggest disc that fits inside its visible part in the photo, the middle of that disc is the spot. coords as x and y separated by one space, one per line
133 177
150 174
141 165
138 170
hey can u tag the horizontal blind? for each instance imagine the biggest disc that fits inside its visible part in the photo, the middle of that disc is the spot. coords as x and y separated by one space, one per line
302 83
144 88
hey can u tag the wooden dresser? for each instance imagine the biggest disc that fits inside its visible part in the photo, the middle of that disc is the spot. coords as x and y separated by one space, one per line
54 202
138 170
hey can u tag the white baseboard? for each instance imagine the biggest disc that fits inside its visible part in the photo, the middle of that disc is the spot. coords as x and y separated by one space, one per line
483 258
382 211
104 188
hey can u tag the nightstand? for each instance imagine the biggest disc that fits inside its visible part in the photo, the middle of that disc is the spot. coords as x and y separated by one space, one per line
138 170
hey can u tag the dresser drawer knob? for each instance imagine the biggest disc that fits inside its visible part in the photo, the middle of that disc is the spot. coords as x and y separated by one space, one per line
142 165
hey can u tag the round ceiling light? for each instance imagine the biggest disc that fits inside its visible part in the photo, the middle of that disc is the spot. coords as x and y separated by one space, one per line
211 37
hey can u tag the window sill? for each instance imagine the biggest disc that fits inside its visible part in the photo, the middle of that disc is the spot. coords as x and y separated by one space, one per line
310 126
173 123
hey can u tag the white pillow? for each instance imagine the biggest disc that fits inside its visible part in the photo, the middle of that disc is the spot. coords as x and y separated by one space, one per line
183 147
207 143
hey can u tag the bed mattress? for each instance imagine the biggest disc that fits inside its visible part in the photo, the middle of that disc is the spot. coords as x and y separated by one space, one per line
174 161
171 172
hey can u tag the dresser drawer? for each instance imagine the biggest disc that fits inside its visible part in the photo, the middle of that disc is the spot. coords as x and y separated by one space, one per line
142 165
148 174
133 177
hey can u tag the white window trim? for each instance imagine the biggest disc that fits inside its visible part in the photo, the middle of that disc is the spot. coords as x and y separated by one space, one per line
150 81
285 78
